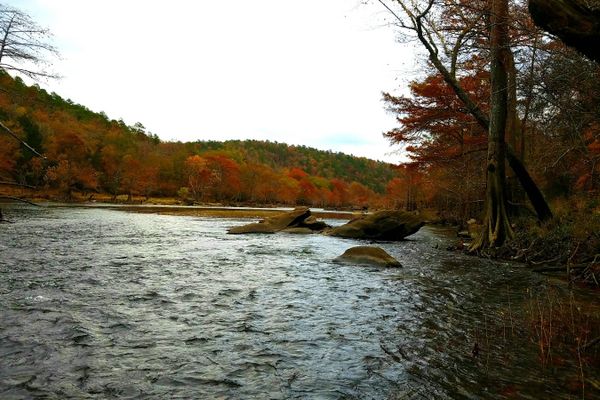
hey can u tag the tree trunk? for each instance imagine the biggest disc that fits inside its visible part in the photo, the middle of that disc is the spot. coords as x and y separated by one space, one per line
512 126
496 226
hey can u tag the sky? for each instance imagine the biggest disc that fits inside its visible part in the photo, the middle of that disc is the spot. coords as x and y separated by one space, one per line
307 72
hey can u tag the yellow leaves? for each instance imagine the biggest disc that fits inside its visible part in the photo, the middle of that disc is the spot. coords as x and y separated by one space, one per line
20 111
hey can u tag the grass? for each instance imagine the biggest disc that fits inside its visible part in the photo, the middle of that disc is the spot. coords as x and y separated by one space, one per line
566 331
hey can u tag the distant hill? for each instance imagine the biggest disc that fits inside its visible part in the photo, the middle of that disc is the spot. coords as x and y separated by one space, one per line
86 151
373 174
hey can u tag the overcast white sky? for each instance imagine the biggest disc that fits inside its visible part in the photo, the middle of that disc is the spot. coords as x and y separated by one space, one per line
301 72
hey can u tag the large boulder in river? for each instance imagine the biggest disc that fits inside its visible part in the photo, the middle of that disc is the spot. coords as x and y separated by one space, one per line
380 225
298 218
368 255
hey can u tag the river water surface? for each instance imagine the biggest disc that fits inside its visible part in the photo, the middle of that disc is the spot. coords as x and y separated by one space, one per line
99 303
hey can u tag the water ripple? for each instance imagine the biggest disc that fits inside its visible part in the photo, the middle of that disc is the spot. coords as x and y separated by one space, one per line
100 304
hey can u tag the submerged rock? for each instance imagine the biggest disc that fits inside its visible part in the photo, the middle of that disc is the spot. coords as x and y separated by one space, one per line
381 225
368 255
298 220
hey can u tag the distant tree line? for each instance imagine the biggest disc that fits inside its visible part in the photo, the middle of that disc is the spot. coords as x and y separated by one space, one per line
86 152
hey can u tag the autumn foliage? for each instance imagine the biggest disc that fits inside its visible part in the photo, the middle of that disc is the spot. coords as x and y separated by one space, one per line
553 117
87 153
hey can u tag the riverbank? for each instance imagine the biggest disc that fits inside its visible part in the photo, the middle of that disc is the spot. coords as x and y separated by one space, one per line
168 205
206 211
223 212
567 246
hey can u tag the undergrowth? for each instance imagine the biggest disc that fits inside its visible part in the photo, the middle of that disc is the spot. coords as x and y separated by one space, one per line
569 243
567 332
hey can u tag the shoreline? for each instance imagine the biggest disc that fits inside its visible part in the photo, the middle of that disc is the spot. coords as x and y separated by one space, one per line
199 210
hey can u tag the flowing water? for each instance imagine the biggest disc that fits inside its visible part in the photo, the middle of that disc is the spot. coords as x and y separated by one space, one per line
98 303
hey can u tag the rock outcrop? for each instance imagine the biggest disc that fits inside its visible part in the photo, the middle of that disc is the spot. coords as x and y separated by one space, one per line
368 255
298 220
381 225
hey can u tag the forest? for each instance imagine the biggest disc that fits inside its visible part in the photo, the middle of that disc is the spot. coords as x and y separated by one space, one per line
552 111
87 154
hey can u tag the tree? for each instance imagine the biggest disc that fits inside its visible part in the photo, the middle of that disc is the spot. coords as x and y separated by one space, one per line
447 47
577 24
24 45
67 175
496 227
443 141
200 177
339 193
226 174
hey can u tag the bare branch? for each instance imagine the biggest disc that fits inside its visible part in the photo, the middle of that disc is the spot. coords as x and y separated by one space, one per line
24 143
8 183
24 44
19 199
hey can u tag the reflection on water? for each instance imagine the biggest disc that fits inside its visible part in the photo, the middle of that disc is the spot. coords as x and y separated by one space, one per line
98 303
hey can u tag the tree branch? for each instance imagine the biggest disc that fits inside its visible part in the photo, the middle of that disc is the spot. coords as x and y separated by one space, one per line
24 143
19 199
17 184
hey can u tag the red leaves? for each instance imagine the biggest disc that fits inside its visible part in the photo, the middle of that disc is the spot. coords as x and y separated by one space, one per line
434 122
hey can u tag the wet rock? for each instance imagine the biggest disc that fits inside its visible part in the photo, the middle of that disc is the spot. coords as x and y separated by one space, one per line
298 218
458 246
299 230
313 224
256 227
381 225
368 255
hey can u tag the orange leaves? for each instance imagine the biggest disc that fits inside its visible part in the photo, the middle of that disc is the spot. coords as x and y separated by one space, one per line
226 175
591 137
433 120
8 150
67 176
297 174
88 151
440 137
199 176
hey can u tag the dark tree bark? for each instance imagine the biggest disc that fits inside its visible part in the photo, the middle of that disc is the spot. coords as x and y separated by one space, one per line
575 22
496 226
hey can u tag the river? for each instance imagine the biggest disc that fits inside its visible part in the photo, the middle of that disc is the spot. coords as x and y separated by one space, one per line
101 303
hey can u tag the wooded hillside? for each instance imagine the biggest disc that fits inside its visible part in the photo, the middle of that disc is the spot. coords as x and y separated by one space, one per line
89 153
